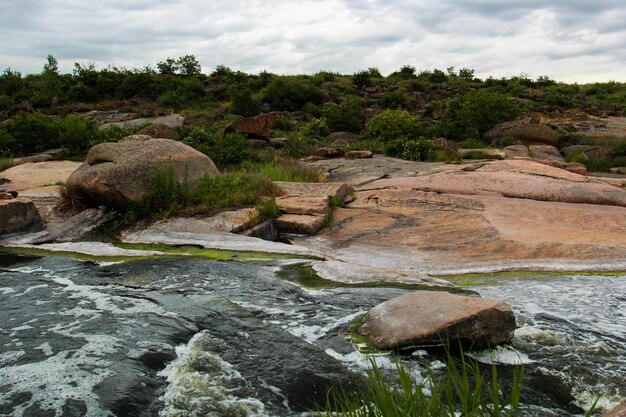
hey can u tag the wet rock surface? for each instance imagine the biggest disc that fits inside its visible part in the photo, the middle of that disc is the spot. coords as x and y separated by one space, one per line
434 318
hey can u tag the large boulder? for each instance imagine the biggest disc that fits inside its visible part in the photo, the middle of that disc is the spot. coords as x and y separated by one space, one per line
116 174
545 153
433 318
525 131
19 215
254 127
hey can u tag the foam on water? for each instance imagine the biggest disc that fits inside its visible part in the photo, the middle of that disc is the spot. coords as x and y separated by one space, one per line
203 384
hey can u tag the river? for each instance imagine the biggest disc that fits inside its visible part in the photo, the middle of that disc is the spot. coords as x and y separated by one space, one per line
195 337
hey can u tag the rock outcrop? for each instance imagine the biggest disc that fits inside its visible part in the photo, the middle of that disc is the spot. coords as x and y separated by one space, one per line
159 131
19 215
525 131
427 318
254 127
116 174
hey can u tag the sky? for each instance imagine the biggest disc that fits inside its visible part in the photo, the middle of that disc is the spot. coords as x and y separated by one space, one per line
567 40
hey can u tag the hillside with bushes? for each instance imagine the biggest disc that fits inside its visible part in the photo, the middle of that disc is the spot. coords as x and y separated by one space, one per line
398 114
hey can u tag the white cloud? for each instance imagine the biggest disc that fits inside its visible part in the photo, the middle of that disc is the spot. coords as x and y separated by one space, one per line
571 40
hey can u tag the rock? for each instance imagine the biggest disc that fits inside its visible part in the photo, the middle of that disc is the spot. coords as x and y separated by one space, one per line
279 143
88 225
343 137
359 154
234 221
446 145
545 152
314 205
525 131
6 196
308 189
266 231
159 131
254 127
300 224
116 174
426 318
516 151
618 411
19 215
619 170
485 153
171 120
40 157
328 152
257 143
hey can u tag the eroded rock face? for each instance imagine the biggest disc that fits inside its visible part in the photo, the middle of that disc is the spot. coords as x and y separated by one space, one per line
525 131
116 174
426 318
254 127
19 215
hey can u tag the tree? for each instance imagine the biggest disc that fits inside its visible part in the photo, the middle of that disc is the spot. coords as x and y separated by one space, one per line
51 66
168 67
188 65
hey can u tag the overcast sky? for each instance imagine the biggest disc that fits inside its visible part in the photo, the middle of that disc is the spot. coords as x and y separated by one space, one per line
568 40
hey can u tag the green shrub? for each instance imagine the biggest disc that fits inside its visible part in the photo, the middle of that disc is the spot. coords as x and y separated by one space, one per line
202 139
33 133
241 101
420 149
345 116
6 163
291 94
619 149
282 169
7 143
232 190
393 124
284 123
268 209
472 115
114 133
77 134
592 164
315 129
300 145
362 79
472 144
166 194
395 100
504 141
464 389
230 149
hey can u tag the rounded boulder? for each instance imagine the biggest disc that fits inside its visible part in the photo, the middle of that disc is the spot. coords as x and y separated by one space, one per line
116 174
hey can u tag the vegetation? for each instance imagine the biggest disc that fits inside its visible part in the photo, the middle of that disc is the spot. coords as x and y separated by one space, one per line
463 388
6 163
42 111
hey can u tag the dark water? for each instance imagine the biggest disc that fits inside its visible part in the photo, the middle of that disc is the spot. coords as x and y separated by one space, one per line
205 338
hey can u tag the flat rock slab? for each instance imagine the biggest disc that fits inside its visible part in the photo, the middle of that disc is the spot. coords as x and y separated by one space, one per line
171 120
308 189
190 231
521 179
234 221
295 204
300 223
42 177
427 318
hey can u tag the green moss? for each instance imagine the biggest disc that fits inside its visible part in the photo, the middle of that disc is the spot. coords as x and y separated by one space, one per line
69 254
303 275
483 279
360 342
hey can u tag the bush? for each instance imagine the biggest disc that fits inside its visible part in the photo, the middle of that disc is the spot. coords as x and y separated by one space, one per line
230 149
472 144
472 115
314 129
345 116
393 124
232 190
420 149
241 101
77 134
291 94
201 139
362 79
33 133
395 100
300 145
277 169
7 143
619 149
6 163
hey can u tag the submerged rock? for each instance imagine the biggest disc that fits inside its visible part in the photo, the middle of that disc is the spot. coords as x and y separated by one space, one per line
426 318
116 174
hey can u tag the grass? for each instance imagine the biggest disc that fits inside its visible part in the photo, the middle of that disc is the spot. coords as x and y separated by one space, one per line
6 163
68 203
463 389
283 169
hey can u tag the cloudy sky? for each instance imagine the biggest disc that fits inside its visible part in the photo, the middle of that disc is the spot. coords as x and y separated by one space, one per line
568 40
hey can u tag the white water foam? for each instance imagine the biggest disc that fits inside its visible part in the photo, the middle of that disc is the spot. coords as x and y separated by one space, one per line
203 384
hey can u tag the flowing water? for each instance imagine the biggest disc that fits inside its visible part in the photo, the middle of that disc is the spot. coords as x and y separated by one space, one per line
192 337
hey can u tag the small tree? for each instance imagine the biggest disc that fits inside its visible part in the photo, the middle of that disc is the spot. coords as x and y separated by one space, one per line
188 65
51 66
169 67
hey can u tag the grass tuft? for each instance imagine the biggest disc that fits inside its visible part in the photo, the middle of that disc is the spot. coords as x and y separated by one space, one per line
6 163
